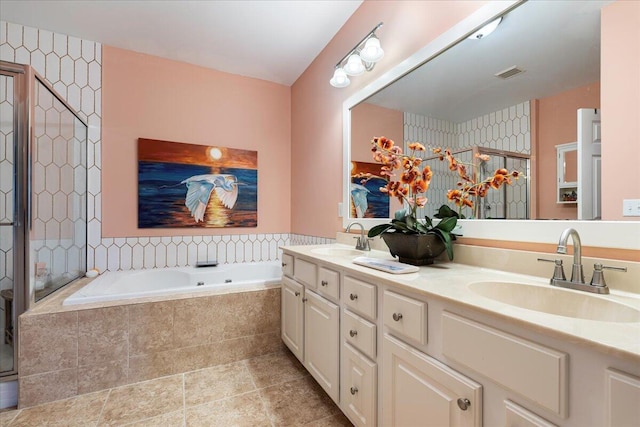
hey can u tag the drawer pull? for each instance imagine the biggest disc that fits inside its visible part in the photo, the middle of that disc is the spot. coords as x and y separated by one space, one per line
297 293
304 299
353 390
463 403
353 333
397 316
324 283
353 297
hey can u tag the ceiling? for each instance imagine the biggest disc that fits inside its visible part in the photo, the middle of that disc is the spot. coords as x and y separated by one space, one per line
556 43
269 40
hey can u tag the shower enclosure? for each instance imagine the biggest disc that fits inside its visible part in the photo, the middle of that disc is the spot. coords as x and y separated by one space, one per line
43 202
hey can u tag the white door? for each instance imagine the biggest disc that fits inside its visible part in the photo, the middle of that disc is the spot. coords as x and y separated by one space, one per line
589 156
292 316
321 340
418 390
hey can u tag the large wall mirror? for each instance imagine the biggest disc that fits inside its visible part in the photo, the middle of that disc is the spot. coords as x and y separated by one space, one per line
516 94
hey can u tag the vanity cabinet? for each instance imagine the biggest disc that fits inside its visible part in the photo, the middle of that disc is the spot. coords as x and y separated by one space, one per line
418 390
321 340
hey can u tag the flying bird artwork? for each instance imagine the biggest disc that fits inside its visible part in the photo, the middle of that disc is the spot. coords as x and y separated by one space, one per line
200 187
194 186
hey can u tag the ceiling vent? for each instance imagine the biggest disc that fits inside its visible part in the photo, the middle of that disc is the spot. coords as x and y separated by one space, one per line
509 72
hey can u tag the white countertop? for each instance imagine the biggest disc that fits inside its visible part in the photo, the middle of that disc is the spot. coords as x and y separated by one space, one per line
449 281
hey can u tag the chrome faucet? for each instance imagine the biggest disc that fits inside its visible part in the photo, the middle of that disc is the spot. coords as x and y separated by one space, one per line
597 285
577 275
362 243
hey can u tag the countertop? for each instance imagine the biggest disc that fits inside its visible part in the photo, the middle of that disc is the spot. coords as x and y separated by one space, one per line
450 282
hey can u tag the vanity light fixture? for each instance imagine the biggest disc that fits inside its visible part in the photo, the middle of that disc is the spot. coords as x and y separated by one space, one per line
486 30
361 58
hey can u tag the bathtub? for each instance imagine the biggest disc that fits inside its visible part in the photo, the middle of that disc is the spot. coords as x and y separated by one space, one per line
125 285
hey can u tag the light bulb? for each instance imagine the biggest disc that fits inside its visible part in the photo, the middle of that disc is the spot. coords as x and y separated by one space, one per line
372 52
339 78
354 66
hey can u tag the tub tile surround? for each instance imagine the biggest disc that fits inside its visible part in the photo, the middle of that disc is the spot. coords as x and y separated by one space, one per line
68 351
238 393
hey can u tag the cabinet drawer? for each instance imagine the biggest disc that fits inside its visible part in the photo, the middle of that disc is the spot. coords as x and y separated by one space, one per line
405 316
537 373
359 296
329 281
359 387
360 333
305 272
287 265
517 416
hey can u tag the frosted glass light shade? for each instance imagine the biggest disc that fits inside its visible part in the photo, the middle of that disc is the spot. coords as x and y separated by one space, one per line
354 66
372 52
339 78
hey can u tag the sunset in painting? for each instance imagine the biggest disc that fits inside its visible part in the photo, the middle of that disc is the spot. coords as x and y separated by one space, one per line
366 199
188 185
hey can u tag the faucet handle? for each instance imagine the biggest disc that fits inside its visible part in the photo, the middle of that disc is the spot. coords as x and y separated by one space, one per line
598 274
558 271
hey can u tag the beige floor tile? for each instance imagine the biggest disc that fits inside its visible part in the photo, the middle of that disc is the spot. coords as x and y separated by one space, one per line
216 383
143 400
246 410
78 411
172 419
275 368
7 416
338 420
297 402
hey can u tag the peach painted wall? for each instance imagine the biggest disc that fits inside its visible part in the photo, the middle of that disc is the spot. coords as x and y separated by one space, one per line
316 113
557 123
151 97
620 51
367 121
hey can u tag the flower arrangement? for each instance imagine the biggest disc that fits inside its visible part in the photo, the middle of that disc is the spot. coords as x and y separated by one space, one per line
413 183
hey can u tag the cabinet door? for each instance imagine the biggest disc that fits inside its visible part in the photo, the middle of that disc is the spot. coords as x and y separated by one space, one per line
321 340
292 317
417 390
622 399
359 387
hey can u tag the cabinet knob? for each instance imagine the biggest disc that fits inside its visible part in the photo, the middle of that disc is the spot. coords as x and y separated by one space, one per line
304 299
353 297
463 403
353 333
397 316
284 264
324 283
297 293
353 390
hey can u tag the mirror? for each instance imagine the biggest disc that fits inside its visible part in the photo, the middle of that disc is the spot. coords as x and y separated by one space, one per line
515 93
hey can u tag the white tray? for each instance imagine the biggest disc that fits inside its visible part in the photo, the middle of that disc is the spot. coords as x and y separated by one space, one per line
393 267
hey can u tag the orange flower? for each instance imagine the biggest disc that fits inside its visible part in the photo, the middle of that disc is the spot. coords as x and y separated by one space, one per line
426 173
419 186
416 146
421 201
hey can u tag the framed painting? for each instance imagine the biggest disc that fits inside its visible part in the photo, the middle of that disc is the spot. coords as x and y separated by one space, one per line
367 201
188 185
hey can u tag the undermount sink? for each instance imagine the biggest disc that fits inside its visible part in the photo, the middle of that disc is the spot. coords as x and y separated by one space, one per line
336 251
557 301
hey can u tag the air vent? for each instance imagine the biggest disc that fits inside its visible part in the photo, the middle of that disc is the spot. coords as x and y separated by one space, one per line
509 72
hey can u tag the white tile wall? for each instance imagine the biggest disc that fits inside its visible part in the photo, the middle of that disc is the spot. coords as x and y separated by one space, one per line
507 129
73 67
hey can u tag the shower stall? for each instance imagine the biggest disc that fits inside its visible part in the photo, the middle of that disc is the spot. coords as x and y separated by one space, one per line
43 200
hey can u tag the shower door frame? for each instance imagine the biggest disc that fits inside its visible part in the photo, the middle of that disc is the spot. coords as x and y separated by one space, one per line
21 188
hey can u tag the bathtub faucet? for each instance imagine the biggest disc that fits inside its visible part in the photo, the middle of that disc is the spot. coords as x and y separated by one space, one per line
208 263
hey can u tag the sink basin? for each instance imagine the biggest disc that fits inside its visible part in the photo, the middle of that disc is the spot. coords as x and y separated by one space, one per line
559 302
336 252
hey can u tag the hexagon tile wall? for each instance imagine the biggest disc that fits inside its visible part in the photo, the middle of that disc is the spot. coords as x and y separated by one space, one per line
73 67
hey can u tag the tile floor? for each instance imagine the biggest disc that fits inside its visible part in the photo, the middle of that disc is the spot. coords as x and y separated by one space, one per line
271 390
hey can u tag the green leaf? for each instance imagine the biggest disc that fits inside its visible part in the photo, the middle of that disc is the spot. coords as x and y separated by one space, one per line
447 224
411 222
422 229
446 239
379 229
428 222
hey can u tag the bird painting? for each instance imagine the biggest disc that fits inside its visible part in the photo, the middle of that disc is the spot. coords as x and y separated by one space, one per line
200 187
359 199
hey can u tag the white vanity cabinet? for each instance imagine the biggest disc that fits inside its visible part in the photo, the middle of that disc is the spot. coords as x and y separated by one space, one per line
418 390
321 340
310 323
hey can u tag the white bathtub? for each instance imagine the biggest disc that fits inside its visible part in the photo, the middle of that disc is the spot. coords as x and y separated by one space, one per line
124 285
